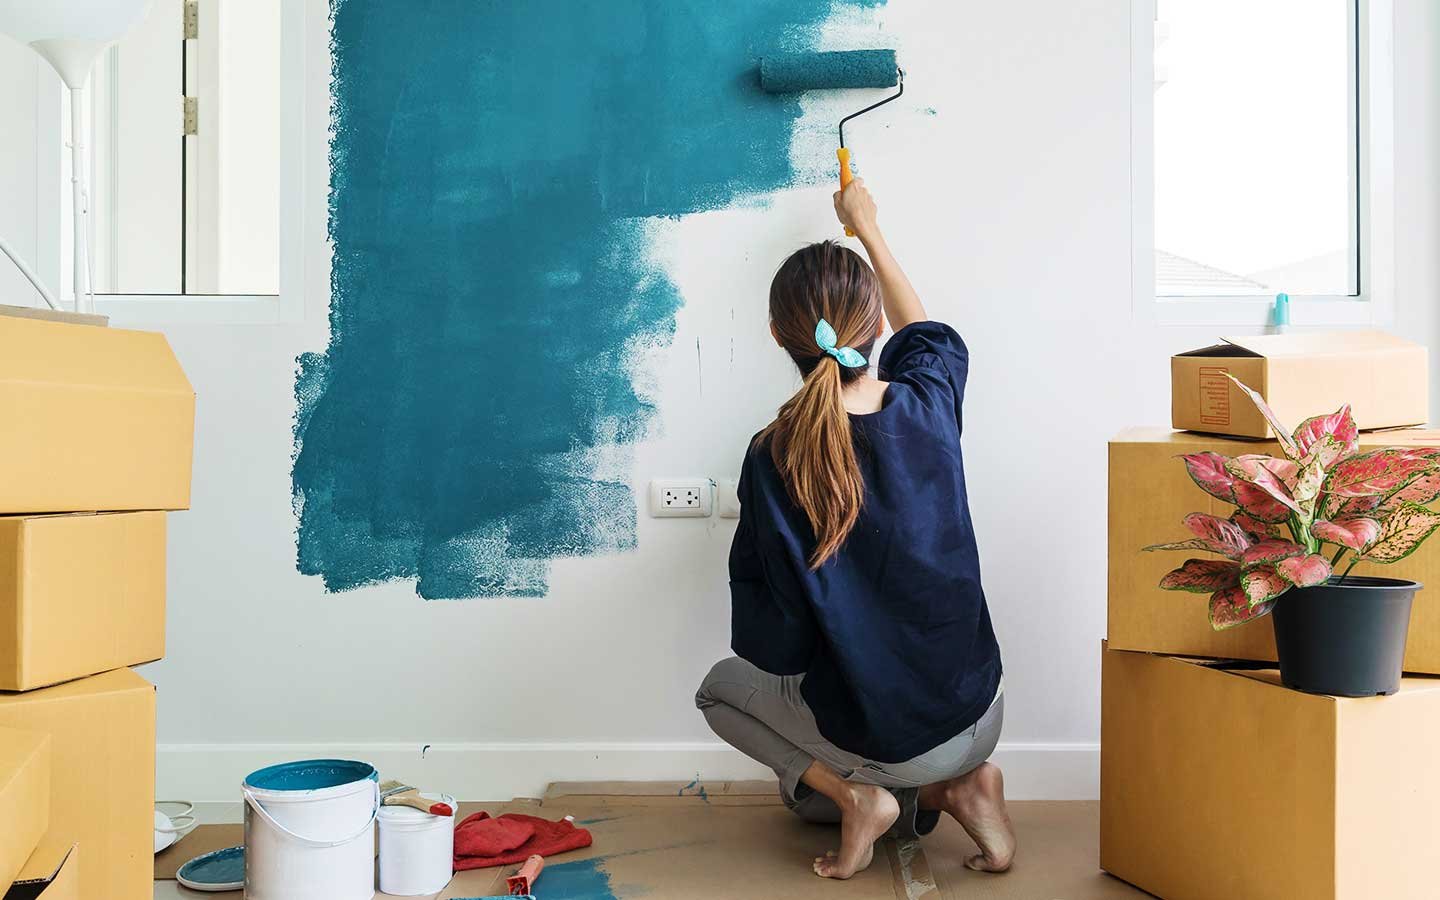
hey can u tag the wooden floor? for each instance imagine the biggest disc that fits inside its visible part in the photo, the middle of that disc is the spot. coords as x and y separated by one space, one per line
733 840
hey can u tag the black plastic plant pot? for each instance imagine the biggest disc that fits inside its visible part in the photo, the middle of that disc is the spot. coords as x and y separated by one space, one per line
1346 637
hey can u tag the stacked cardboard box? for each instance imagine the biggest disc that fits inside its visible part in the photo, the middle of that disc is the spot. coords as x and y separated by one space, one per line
99 434
1216 780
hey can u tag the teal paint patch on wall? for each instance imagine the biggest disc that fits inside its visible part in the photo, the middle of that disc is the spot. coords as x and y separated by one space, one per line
492 165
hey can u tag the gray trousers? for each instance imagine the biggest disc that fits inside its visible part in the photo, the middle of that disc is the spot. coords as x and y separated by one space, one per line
764 717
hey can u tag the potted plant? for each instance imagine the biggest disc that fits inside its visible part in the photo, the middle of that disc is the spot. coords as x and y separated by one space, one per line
1302 522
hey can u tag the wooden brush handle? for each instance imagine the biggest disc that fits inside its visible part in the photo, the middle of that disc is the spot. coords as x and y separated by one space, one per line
413 800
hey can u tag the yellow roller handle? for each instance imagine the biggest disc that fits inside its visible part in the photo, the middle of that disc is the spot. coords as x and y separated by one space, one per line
845 176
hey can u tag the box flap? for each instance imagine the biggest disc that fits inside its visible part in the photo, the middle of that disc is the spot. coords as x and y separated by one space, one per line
116 682
1327 343
61 864
1226 350
65 354
24 797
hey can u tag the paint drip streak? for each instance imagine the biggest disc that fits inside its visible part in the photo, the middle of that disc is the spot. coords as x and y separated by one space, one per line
492 165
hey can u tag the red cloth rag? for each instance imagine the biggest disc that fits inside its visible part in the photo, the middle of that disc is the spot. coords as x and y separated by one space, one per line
482 841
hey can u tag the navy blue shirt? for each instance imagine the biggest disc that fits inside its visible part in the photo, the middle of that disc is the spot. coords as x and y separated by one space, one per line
892 633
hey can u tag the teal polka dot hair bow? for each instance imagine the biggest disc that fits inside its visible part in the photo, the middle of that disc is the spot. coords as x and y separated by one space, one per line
848 356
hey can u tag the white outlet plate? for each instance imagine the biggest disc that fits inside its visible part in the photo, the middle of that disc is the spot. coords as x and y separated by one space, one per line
682 498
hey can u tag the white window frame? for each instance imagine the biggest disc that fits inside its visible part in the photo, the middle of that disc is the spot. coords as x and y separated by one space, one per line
1375 305
297 20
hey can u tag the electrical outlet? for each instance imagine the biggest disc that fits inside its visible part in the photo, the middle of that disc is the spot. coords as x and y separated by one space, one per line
678 497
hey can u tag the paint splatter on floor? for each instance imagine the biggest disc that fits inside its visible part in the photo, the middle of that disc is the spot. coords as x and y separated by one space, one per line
692 787
493 164
584 879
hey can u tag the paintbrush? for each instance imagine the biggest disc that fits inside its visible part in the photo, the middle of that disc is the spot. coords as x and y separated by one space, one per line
393 793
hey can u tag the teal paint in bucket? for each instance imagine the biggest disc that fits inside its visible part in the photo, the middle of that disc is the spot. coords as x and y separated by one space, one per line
311 775
309 830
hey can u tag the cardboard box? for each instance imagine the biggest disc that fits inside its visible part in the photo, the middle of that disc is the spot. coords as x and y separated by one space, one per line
100 418
24 797
1222 783
1385 379
79 594
102 785
62 882
1150 493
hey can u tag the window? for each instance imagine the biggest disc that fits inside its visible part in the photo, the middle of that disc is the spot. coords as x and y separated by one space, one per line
185 127
1259 149
1255 136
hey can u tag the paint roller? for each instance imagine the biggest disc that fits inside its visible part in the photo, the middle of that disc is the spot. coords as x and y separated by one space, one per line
793 73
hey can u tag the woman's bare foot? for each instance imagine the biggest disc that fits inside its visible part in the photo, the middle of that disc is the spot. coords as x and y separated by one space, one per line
866 813
977 801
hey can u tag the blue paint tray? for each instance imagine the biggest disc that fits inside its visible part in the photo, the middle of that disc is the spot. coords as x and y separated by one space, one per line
220 870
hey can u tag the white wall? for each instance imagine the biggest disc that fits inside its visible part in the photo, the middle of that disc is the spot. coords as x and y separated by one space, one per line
1011 208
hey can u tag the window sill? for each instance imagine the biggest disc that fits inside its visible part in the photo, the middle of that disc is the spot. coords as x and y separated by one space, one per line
160 310
1255 312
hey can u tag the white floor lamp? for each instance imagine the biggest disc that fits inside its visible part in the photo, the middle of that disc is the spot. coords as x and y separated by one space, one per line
71 35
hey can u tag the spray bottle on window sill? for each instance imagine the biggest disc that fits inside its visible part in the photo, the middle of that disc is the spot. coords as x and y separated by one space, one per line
1280 315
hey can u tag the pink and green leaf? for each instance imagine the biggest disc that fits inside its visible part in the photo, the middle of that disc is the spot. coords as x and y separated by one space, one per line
1263 583
1327 440
1256 528
1248 463
1401 533
1207 526
1422 490
1258 504
1271 550
1337 508
1307 483
1212 534
1304 571
1231 607
1207 470
1355 533
1282 434
1222 532
1197 544
1261 471
1202 576
1380 472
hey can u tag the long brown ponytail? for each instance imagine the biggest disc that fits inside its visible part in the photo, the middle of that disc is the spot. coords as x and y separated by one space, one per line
810 438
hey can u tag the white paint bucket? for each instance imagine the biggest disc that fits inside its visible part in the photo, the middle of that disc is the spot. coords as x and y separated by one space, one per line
309 831
417 850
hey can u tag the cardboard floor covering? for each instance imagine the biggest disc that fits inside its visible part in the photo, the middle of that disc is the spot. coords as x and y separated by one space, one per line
729 840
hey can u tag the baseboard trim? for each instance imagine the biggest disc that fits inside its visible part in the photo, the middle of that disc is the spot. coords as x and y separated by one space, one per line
489 771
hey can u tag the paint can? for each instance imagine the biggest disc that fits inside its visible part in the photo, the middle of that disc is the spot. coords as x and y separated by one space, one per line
309 830
417 850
